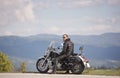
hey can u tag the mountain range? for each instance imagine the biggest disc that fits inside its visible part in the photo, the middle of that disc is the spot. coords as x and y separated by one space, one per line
101 49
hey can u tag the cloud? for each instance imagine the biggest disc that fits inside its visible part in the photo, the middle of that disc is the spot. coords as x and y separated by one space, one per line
6 13
113 2
7 33
96 29
103 20
13 11
76 26
19 17
26 13
42 5
86 3
74 3
70 26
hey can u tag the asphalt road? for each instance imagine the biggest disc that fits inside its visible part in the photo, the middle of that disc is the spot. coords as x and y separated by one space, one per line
38 75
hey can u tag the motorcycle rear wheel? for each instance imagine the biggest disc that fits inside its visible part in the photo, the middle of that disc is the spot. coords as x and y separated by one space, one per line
77 68
42 68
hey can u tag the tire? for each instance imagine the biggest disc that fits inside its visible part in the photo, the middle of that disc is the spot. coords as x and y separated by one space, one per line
78 67
42 68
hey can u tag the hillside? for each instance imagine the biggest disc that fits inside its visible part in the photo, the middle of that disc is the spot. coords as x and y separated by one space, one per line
96 47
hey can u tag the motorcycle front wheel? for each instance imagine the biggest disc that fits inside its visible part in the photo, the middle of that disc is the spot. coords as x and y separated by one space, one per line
42 65
77 68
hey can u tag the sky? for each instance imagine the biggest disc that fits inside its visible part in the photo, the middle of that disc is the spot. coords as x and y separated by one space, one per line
81 17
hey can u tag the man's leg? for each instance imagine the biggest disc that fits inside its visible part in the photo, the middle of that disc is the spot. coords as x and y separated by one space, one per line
57 60
60 58
52 68
50 71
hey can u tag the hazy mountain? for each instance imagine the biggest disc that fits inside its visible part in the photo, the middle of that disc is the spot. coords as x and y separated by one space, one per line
104 40
96 47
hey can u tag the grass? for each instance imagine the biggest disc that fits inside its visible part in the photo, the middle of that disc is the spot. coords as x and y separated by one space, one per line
107 72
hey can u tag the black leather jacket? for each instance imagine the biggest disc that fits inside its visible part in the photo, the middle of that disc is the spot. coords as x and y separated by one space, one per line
68 48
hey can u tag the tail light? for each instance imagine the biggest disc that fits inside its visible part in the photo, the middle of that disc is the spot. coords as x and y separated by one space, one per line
85 59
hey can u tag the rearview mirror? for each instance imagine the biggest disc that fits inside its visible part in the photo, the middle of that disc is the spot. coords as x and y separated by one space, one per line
81 48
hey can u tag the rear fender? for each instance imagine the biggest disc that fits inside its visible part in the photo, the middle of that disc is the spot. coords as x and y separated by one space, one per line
85 63
74 59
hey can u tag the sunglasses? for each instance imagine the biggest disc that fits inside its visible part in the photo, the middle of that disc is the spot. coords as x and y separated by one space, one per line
64 37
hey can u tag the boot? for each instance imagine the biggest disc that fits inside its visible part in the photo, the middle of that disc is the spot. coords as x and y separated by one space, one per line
67 72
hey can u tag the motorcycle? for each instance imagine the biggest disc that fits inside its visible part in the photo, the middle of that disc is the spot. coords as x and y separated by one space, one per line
76 63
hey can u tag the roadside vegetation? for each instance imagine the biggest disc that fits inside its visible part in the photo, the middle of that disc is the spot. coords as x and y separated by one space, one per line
107 72
6 64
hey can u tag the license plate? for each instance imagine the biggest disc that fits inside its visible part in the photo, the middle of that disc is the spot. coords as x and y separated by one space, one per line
88 65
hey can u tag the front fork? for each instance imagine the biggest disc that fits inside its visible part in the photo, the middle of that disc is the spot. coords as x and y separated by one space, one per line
46 57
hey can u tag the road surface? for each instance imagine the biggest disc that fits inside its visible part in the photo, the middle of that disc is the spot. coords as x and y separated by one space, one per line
38 75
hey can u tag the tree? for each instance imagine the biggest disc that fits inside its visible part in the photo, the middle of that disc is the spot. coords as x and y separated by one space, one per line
23 67
5 63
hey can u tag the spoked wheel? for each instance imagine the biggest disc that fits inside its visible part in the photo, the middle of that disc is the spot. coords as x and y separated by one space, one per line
77 68
42 65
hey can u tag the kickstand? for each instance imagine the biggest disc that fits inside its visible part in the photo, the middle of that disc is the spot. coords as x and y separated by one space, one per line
54 68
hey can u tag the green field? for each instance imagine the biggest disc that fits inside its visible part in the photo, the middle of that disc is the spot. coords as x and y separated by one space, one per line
107 72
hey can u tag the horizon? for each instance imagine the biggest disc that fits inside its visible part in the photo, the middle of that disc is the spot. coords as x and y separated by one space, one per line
60 34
